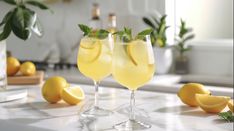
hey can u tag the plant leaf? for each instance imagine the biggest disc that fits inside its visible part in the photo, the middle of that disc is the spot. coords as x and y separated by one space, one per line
37 28
163 18
37 4
22 21
6 17
86 30
188 38
11 2
143 33
6 31
149 23
156 21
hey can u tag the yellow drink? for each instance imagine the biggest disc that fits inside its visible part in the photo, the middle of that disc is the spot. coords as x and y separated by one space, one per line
133 64
95 58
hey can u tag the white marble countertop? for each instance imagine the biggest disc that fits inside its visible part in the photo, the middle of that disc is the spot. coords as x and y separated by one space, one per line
165 113
167 83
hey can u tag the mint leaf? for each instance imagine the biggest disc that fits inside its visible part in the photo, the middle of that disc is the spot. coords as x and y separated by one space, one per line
227 116
125 35
86 30
143 33
102 34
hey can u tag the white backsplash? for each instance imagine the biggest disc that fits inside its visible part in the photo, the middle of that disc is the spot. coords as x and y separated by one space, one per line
61 30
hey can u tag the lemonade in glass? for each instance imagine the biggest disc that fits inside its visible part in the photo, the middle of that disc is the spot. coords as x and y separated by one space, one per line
133 67
94 60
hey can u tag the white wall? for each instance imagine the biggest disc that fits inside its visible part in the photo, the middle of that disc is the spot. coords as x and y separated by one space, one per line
211 19
61 27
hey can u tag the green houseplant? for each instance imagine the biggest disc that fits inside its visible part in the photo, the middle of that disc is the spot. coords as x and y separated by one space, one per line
158 36
163 53
22 22
185 34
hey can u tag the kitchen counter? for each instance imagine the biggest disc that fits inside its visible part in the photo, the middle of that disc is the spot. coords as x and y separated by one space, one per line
168 83
165 112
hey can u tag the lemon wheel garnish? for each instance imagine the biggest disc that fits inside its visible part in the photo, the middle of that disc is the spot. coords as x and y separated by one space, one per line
212 104
92 51
130 55
138 52
73 95
88 45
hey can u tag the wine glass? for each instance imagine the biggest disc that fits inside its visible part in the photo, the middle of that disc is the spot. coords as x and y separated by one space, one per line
133 66
94 61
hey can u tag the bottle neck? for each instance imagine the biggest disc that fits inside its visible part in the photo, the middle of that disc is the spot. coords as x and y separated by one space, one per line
112 24
95 21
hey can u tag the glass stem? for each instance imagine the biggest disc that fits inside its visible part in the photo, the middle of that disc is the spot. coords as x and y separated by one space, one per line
96 84
132 106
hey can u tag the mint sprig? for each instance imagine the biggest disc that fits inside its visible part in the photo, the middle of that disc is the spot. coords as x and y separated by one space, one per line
88 31
126 34
227 116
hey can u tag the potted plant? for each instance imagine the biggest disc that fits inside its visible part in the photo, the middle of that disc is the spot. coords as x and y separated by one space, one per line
22 22
185 34
163 53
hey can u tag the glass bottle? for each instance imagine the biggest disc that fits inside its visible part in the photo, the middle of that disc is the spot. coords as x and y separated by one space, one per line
95 21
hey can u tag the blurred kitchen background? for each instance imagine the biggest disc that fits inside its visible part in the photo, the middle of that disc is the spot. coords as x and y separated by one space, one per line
210 60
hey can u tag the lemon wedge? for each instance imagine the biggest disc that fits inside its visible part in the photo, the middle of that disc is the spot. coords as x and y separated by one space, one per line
90 50
73 95
230 105
137 52
212 104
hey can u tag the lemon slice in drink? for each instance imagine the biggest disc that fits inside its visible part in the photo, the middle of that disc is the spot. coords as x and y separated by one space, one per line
212 104
90 50
73 95
137 52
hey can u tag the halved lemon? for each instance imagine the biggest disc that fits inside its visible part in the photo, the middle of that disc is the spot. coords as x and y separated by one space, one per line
90 50
137 52
212 104
230 105
73 95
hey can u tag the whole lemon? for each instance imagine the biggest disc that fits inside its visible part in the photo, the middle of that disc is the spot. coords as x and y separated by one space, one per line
188 92
52 89
28 68
13 66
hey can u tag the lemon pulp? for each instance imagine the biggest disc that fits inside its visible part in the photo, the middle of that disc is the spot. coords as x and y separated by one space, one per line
212 104
73 95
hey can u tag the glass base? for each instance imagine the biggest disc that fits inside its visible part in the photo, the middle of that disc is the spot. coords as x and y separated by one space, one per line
96 112
139 112
131 125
